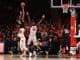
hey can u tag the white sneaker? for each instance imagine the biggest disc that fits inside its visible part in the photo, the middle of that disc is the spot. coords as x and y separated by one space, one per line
34 53
30 54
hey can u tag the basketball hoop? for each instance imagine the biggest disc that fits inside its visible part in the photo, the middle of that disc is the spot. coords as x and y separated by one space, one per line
65 8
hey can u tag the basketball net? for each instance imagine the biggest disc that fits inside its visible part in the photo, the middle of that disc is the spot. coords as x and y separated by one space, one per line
65 8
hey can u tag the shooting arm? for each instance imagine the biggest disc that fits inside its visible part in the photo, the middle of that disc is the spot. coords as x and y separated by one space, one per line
29 20
23 14
43 16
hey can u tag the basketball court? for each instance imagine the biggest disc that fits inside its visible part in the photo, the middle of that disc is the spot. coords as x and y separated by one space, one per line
19 57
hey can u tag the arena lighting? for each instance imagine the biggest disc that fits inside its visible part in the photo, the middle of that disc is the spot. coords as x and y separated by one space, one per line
61 6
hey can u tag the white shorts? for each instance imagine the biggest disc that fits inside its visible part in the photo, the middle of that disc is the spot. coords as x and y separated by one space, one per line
32 39
23 45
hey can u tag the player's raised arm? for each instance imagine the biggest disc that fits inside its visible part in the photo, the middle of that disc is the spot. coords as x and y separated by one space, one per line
23 15
20 15
19 18
22 4
42 18
29 19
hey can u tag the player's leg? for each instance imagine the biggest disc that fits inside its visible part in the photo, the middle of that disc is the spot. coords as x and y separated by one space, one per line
21 47
36 45
24 47
28 45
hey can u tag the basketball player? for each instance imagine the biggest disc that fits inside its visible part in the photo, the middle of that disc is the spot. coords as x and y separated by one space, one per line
32 35
22 13
22 43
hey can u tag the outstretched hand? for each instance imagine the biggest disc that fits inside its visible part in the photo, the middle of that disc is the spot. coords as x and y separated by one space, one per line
43 16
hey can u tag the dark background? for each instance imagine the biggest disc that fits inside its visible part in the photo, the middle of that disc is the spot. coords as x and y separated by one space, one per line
8 9
35 7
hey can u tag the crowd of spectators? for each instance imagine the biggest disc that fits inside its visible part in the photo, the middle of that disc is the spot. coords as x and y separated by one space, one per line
52 38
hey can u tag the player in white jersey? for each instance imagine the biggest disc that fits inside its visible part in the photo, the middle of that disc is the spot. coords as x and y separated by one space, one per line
33 30
32 35
22 42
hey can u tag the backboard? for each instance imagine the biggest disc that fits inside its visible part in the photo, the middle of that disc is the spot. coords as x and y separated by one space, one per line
59 3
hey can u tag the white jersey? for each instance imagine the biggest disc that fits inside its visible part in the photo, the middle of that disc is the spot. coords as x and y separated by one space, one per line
33 30
22 30
21 34
22 43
